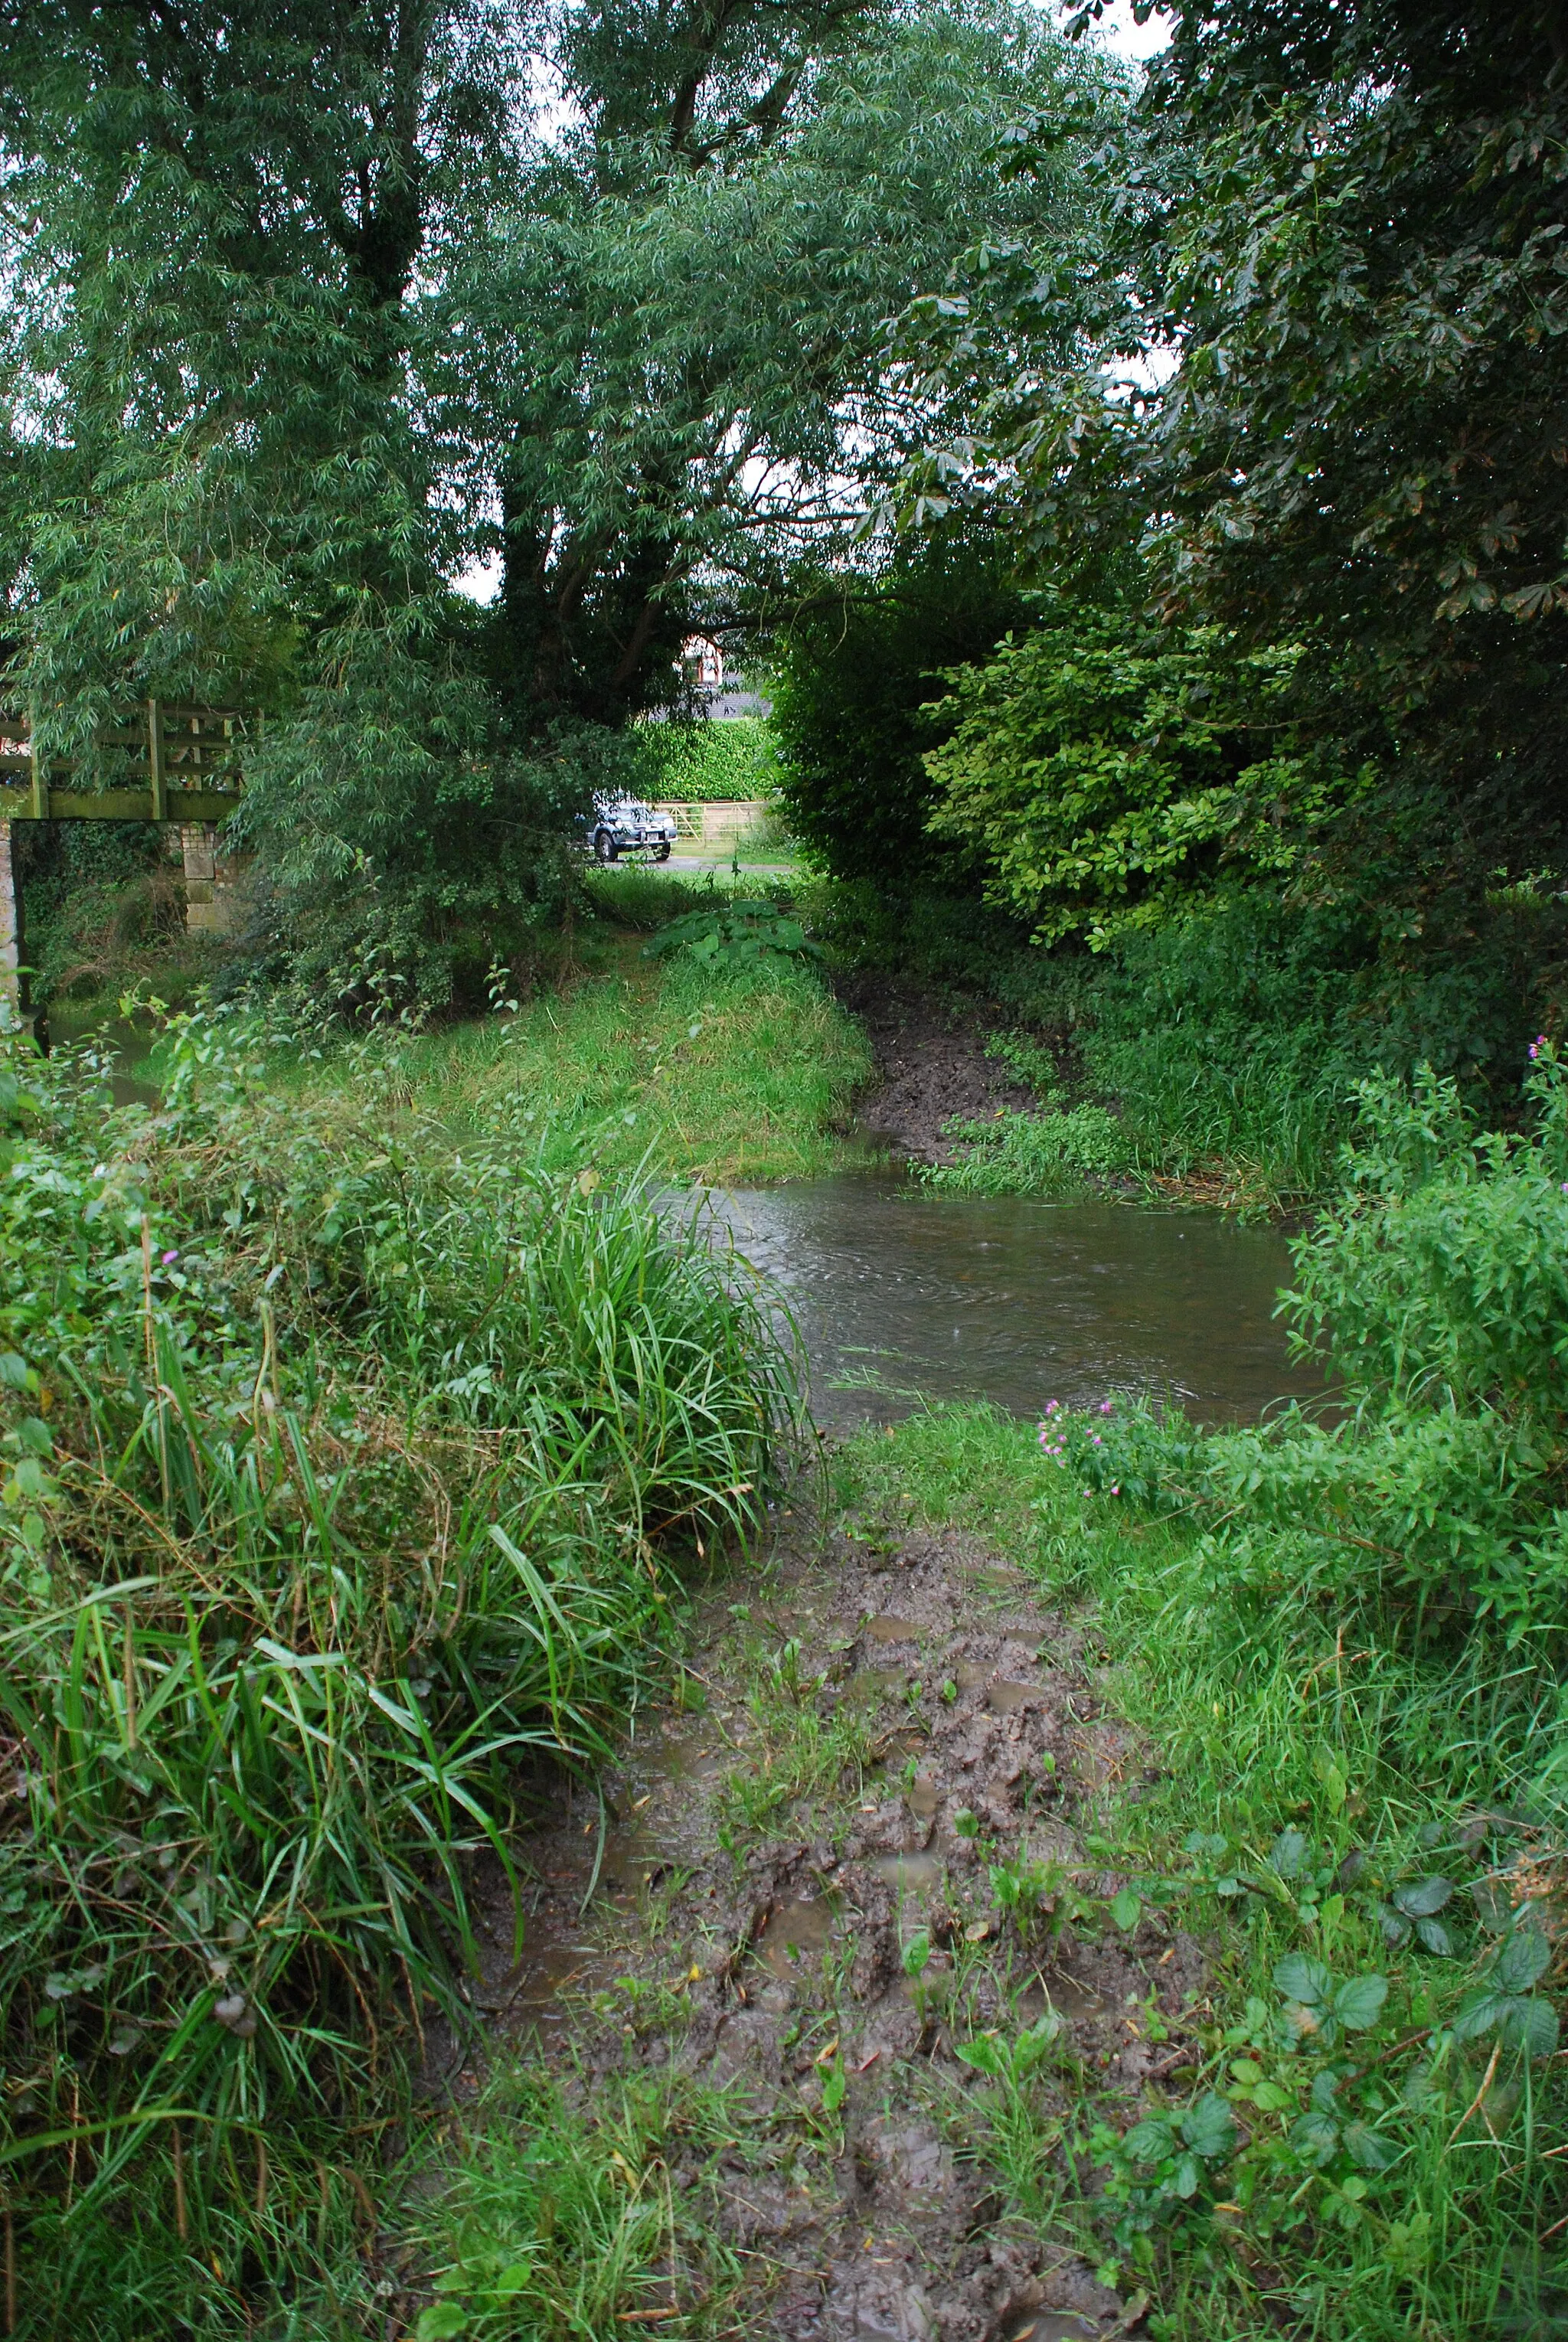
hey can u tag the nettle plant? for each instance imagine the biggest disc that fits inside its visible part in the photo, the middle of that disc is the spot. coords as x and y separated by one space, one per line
735 936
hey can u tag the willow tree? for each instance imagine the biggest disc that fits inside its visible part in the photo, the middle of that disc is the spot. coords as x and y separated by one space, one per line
314 299
675 357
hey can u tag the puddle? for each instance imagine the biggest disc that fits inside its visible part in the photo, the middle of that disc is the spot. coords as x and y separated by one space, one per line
891 1630
1004 1694
1054 2326
795 1933
902 1294
1004 1698
908 1874
547 1972
126 1041
1065 1994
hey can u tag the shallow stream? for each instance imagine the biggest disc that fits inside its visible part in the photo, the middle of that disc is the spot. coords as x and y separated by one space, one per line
902 1295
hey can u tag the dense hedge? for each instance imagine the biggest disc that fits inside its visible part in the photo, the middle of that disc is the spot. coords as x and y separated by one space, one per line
721 762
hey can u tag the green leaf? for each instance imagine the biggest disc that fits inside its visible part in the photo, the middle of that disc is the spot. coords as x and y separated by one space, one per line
1372 2152
1126 1910
1423 1897
1289 1853
1357 2003
1479 2011
1210 2128
1315 2139
1269 2098
1436 1937
835 2085
1522 1961
1530 2025
1146 2141
1304 1979
444 2321
1331 1777
1187 2178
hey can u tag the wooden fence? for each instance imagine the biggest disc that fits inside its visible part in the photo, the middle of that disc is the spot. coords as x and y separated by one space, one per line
164 764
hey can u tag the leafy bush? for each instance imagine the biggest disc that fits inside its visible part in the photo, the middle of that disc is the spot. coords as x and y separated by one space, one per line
342 1475
852 678
722 761
1437 1291
1231 1038
1100 768
734 937
400 837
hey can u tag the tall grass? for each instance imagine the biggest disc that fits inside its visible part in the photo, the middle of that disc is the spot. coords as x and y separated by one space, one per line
585 2213
680 1073
346 1474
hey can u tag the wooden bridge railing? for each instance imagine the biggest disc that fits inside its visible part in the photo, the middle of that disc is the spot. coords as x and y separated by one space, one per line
167 763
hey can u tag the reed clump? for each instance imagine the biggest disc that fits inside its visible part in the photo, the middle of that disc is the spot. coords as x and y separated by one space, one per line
344 1476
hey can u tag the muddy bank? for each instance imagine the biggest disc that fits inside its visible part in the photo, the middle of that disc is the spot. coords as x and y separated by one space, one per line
852 1847
931 1060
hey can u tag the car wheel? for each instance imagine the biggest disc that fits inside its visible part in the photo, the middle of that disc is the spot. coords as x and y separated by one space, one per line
664 854
604 847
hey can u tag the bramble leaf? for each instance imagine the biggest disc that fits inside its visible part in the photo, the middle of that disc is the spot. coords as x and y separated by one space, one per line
1357 2003
1304 1979
1210 2128
1522 1962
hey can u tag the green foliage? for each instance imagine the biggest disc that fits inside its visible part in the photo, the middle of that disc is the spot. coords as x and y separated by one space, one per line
1032 1153
853 676
744 934
1231 1038
340 1474
1323 1792
403 846
1418 310
691 1074
546 2217
97 897
1020 2137
1424 311
1434 1493
669 441
1100 768
720 762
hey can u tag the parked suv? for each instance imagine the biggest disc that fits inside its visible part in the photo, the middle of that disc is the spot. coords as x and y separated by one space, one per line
621 825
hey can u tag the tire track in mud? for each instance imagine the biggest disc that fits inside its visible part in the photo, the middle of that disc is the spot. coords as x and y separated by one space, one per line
953 1754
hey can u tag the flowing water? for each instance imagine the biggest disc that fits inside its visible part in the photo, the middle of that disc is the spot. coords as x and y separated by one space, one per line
902 1295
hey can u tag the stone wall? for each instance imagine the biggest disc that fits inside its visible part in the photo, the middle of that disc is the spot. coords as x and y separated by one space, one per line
210 905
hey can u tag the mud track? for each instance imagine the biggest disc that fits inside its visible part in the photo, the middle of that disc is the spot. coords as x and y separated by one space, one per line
771 1951
931 1061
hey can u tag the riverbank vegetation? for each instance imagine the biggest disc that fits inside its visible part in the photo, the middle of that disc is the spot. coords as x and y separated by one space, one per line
1220 1835
1149 493
1342 1640
347 1476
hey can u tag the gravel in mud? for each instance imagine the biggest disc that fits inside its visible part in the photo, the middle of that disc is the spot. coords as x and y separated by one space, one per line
931 1060
772 1956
